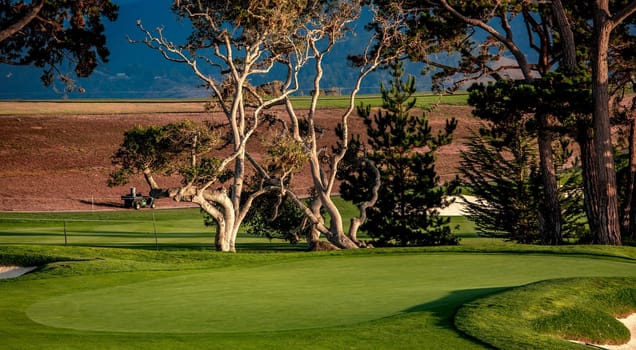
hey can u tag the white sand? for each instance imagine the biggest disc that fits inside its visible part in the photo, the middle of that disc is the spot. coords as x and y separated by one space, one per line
14 271
457 208
630 323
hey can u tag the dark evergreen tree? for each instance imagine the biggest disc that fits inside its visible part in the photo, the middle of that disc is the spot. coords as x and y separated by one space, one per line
498 170
565 36
403 147
500 165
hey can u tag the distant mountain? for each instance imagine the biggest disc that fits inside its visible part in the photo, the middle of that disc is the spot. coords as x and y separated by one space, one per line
135 71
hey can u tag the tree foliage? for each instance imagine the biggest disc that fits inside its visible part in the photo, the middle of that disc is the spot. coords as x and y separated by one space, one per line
465 40
276 217
51 33
500 164
461 40
503 177
403 147
181 147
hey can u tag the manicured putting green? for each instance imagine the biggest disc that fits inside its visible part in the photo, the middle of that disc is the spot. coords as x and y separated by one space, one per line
311 293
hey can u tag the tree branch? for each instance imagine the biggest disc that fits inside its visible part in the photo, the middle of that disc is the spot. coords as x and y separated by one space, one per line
514 49
622 15
23 22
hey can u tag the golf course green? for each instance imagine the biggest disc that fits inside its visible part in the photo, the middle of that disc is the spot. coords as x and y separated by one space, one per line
377 299
280 296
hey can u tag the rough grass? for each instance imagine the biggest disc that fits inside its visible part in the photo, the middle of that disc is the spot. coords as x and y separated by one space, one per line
540 314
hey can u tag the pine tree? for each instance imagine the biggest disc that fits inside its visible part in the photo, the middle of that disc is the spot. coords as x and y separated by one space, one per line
500 165
403 147
500 170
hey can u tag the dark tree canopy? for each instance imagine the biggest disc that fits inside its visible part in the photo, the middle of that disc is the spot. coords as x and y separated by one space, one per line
49 34
165 149
402 146
461 40
500 165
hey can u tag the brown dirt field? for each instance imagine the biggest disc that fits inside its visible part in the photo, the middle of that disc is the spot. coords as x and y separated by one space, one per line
92 108
55 160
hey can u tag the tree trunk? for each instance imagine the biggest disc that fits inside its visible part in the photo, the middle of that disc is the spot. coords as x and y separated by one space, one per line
631 230
568 46
221 241
232 239
585 138
336 235
628 210
550 215
150 180
223 215
313 235
551 230
238 178
337 239
608 231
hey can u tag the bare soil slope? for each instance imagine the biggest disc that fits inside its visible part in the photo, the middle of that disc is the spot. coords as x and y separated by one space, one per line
53 160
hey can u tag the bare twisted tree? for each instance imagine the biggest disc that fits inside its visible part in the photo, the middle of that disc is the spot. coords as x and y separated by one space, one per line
231 43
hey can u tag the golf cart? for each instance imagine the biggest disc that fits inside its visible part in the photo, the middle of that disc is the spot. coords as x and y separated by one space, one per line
137 200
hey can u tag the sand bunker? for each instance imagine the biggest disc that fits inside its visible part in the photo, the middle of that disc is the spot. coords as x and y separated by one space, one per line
458 207
630 323
14 271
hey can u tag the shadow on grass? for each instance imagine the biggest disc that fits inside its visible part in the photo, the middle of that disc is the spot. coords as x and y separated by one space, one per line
102 204
151 245
444 309
271 246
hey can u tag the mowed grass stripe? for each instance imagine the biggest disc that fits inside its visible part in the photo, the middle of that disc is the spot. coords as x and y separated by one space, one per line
304 294
111 228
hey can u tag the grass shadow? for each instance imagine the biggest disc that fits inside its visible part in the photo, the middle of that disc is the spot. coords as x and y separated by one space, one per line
445 309
269 246
102 204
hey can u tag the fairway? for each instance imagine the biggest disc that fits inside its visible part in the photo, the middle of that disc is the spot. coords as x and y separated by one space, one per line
310 293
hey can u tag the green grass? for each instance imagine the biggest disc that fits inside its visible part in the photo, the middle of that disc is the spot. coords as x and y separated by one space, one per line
375 100
174 228
115 106
135 228
281 294
538 315
371 299
110 288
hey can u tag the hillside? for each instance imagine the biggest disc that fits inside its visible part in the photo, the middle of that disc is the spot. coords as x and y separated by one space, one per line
59 159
